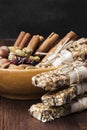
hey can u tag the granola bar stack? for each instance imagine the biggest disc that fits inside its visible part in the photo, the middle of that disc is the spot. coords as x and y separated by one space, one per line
45 113
66 86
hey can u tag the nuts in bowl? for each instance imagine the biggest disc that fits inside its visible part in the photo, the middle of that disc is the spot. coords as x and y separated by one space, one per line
18 66
21 61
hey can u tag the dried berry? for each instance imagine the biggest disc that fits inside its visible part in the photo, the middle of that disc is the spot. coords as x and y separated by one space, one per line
19 60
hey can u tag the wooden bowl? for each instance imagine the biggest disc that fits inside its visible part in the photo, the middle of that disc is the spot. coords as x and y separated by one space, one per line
17 84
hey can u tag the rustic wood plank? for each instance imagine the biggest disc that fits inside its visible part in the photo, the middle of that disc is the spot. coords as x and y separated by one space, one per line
14 115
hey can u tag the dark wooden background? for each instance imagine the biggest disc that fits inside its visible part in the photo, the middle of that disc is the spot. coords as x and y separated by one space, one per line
14 115
42 17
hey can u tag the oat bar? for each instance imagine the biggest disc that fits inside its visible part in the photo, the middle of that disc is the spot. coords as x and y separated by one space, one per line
67 52
45 113
58 98
61 77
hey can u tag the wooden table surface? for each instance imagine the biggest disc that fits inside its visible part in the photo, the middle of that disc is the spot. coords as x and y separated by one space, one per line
14 115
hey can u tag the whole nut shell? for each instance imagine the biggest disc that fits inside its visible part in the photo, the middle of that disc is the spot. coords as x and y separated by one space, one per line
5 48
4 51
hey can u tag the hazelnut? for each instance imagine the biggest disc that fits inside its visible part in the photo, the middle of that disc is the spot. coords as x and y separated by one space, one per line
4 63
5 48
4 51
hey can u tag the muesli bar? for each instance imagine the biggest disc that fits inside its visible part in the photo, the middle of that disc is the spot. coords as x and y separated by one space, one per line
67 52
45 113
58 98
61 77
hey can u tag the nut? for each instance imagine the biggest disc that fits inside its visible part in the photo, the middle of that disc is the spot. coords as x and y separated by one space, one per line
12 66
28 51
13 48
11 56
34 58
19 53
4 63
30 67
27 66
5 48
4 51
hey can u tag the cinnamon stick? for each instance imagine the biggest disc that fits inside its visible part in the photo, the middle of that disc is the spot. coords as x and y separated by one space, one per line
34 42
24 41
41 38
48 43
69 36
19 38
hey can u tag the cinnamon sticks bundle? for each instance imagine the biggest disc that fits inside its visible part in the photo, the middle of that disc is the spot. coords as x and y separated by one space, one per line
40 46
37 43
